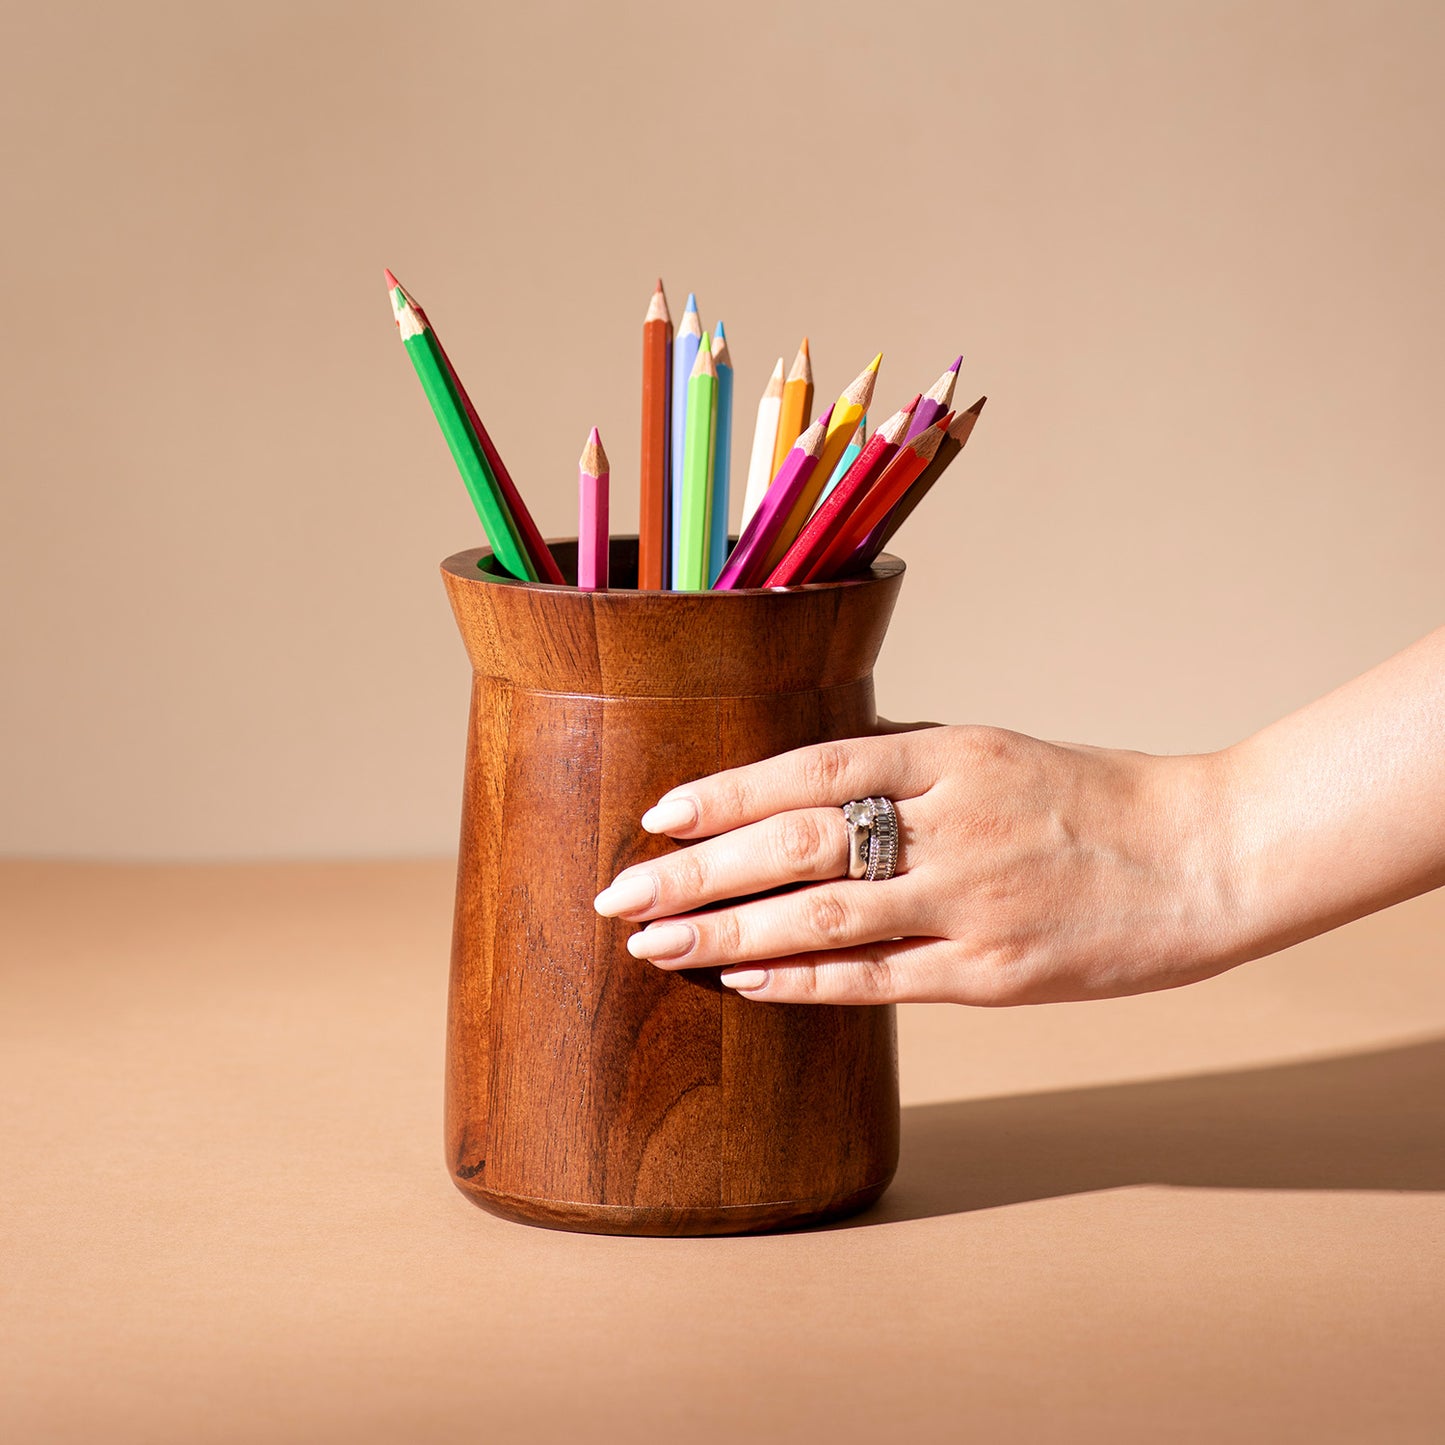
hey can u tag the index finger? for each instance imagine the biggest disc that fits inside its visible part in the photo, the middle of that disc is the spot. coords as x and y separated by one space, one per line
822 776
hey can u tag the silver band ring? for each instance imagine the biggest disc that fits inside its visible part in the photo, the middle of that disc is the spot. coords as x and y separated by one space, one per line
872 825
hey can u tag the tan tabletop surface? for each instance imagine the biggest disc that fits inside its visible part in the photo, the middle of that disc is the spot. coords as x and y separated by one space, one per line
1212 1215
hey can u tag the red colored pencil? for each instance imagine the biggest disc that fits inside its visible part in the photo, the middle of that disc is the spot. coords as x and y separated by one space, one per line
810 544
900 474
593 476
655 527
537 549
949 448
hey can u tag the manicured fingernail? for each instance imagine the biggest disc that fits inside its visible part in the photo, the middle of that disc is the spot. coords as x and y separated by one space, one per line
745 979
633 894
663 940
670 815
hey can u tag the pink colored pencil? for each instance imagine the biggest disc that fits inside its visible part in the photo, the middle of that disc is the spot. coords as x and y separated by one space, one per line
593 475
816 536
540 552
935 402
744 567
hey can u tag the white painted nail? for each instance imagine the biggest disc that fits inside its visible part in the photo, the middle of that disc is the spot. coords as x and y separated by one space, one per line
634 893
746 979
663 940
671 815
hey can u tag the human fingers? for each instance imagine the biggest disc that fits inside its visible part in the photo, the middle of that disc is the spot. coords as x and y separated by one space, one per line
899 971
897 766
822 916
800 846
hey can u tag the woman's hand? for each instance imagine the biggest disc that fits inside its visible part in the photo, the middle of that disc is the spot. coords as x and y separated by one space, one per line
1028 872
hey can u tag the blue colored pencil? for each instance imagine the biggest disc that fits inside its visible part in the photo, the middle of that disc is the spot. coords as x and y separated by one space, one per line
850 455
722 454
684 354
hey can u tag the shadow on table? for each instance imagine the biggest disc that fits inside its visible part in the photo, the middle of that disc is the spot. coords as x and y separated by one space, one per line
1360 1121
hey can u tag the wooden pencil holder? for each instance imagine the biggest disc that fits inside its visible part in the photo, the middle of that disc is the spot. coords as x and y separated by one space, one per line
586 1089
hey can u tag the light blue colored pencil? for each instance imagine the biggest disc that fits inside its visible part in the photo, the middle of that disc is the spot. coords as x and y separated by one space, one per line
684 354
722 454
850 455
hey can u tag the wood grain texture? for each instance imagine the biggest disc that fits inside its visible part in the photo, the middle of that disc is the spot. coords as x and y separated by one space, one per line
585 1089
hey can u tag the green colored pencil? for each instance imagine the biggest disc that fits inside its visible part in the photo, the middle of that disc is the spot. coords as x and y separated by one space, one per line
698 442
497 522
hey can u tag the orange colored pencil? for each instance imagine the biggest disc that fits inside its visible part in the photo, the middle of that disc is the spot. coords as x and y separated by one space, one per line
899 475
797 411
653 528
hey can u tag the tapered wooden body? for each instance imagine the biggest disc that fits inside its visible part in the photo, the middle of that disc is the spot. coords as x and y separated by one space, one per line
586 1089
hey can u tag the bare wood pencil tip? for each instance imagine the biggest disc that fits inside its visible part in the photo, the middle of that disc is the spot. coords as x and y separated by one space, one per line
927 442
594 457
811 442
860 389
704 365
721 352
657 306
802 364
775 382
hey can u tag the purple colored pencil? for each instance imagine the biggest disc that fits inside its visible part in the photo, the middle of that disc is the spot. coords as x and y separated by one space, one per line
747 565
593 477
934 402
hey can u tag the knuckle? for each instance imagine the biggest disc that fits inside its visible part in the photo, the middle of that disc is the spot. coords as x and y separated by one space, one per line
690 872
825 767
727 935
829 919
799 841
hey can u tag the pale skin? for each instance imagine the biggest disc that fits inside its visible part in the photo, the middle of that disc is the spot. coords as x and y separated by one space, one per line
1036 872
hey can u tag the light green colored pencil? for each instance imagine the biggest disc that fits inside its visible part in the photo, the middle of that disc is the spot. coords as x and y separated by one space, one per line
697 456
496 516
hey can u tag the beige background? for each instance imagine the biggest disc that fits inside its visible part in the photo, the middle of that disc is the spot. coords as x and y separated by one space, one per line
1190 251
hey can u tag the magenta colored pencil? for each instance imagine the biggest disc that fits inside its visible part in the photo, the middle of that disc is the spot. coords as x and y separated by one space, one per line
745 567
593 475
934 403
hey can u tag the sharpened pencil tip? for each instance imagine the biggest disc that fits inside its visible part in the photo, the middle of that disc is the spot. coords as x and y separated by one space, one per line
659 283
391 282
876 362
691 301
594 458
718 334
978 405
956 364
803 349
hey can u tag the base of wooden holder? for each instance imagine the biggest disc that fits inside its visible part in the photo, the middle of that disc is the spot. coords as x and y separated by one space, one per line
675 1223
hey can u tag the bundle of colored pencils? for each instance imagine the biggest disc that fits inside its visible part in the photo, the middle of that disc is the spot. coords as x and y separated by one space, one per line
822 498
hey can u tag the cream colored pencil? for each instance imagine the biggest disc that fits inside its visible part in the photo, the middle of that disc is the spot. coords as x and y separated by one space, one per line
765 436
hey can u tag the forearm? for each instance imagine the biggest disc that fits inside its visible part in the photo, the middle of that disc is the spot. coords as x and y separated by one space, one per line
1339 809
